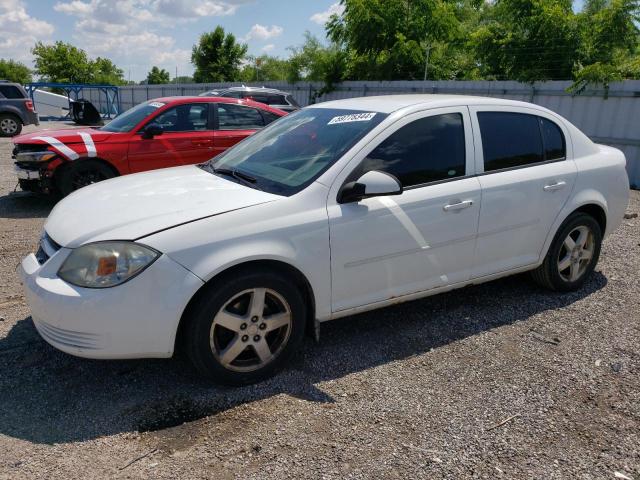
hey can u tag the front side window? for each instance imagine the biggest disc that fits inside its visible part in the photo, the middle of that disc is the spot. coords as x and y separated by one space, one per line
510 140
289 154
426 150
184 118
238 117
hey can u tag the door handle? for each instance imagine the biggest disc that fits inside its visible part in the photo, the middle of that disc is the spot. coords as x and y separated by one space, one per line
554 186
452 207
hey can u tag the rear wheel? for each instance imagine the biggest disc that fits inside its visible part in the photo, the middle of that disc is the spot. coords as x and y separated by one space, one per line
573 254
243 329
10 125
81 173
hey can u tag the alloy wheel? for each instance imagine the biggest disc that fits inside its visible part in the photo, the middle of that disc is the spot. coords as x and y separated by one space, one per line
8 126
250 330
576 253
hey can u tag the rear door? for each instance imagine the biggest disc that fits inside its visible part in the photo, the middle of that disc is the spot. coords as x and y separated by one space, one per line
233 123
187 138
527 174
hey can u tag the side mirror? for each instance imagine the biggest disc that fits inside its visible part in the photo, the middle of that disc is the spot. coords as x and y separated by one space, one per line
151 131
372 184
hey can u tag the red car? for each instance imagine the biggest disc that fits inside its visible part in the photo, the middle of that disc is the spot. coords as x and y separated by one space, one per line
160 133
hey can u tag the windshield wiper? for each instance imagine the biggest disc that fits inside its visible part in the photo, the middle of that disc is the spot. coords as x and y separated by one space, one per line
235 174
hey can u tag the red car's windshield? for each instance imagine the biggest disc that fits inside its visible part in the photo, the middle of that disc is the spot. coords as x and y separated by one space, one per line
132 117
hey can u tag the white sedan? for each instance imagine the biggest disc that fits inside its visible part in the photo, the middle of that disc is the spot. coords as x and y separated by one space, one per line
339 208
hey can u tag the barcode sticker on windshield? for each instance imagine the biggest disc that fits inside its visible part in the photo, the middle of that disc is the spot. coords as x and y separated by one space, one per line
353 117
157 104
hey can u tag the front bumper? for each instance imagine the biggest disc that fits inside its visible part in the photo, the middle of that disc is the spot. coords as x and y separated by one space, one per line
137 319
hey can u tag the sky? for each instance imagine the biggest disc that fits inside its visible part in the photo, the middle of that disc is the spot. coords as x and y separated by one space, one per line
138 34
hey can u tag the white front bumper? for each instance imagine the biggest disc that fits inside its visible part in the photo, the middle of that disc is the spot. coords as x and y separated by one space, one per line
134 320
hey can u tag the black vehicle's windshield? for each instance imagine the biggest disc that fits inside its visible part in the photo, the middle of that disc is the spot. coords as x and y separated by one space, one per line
132 117
293 151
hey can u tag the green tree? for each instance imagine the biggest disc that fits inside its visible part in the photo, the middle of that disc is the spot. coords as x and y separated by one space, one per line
527 40
217 57
264 68
64 63
313 61
14 71
157 76
61 62
183 79
388 39
610 43
104 71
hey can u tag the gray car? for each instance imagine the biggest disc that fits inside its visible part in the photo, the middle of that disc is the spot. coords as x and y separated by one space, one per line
269 96
16 109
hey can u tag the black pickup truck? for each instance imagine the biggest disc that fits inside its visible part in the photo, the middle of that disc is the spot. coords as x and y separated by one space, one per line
16 109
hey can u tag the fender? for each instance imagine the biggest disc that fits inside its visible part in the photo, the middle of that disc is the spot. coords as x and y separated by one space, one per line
14 111
587 196
71 151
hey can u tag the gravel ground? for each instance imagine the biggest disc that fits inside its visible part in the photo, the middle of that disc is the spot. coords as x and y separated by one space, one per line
502 380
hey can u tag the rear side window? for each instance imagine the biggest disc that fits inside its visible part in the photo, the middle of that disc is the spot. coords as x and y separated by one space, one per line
509 140
238 117
426 150
276 100
554 143
292 101
10 91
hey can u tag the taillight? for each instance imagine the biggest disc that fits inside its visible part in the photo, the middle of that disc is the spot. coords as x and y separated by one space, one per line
29 105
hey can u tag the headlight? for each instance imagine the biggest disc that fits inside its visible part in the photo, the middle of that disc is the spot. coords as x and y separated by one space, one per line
43 156
106 264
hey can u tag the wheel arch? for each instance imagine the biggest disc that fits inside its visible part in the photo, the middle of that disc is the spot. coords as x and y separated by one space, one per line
14 112
59 170
590 202
271 265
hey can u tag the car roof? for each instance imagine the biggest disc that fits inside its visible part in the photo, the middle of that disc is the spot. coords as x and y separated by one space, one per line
392 103
195 99
252 89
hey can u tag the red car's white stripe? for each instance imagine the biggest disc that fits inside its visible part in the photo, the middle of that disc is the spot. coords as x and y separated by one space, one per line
60 147
88 143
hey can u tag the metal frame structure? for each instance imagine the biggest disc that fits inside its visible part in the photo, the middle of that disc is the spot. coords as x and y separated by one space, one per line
111 92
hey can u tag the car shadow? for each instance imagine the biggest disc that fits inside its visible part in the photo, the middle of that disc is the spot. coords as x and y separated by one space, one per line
49 397
21 204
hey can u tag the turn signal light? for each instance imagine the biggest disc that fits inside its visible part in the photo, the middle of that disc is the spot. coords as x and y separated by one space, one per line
107 265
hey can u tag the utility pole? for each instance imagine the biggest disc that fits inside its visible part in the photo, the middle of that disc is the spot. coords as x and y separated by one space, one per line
176 79
426 66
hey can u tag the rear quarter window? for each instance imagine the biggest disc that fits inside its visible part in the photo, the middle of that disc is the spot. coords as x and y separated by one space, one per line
10 91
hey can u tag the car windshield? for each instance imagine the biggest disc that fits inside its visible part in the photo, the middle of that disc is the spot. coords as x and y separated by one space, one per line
132 117
293 151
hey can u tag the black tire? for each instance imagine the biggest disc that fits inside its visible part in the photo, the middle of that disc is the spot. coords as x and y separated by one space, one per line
10 125
550 275
201 336
81 173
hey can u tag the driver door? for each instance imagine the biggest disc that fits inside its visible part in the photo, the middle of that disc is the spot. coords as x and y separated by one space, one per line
390 246
187 138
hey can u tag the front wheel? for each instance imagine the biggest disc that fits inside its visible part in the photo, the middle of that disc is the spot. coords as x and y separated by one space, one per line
243 329
81 173
573 254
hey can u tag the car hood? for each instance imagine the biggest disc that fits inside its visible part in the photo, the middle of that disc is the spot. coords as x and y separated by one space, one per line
64 135
134 206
